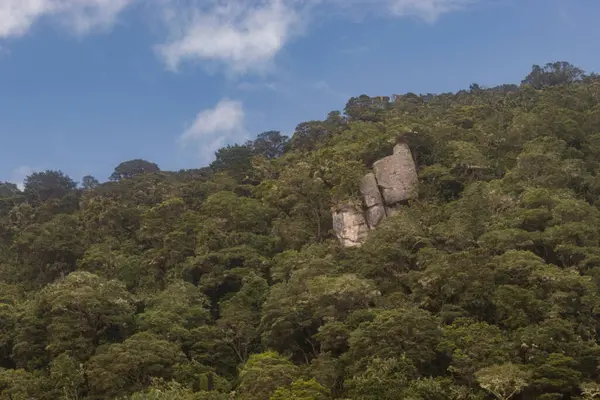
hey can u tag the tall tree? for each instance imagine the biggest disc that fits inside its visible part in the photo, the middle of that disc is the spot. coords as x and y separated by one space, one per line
43 186
8 189
123 368
83 312
89 182
270 144
131 168
365 108
552 74
263 373
236 160
503 381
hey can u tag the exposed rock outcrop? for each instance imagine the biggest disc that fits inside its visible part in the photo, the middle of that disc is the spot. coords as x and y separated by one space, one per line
397 176
374 208
349 225
393 181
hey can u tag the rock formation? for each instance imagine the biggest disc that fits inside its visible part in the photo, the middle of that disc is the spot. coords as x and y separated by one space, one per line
397 176
393 181
374 207
349 225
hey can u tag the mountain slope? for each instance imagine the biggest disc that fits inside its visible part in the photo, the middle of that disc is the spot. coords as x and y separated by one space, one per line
199 283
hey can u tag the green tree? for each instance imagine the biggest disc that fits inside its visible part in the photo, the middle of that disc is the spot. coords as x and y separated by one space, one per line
411 332
127 367
235 160
172 390
308 135
175 311
301 389
240 316
270 144
29 350
46 185
18 384
471 346
263 373
590 390
8 318
551 74
8 189
365 108
439 389
88 182
68 376
383 379
50 250
84 311
557 374
131 168
503 381
304 202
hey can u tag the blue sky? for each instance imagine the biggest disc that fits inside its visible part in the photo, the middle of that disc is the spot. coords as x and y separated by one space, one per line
86 84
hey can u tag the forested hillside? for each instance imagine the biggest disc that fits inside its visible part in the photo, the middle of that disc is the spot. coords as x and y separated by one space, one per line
227 282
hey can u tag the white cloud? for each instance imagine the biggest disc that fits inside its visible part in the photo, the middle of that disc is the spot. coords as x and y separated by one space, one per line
226 117
215 126
244 35
81 16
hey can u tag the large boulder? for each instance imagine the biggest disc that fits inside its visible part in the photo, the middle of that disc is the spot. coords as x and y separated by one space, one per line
349 225
375 210
397 176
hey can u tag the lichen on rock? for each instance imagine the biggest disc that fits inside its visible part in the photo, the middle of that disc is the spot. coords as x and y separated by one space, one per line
349 225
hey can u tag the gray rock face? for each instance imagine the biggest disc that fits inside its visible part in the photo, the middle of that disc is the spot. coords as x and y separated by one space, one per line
349 225
394 181
375 215
375 210
370 190
397 176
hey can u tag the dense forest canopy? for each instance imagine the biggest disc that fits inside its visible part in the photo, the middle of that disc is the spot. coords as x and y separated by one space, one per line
227 282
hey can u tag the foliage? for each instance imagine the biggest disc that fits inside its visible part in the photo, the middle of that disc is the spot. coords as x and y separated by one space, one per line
131 168
503 381
227 281
263 373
